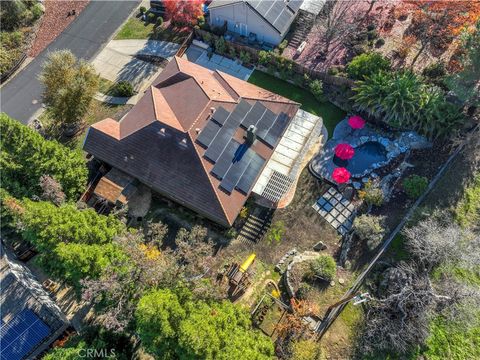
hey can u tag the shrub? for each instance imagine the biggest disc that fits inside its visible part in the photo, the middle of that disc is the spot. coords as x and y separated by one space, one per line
415 186
231 233
372 194
220 45
372 35
359 49
245 57
316 88
468 209
207 38
243 212
37 11
276 232
303 290
379 43
306 350
324 266
264 57
151 17
369 228
283 45
365 65
143 10
232 52
370 27
435 73
123 89
159 21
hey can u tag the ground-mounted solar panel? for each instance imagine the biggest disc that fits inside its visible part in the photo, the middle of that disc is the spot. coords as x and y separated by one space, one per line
236 170
208 133
277 129
21 335
265 123
255 113
220 115
225 160
251 173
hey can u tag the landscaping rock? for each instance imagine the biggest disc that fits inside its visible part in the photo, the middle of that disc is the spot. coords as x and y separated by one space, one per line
319 246
332 283
341 281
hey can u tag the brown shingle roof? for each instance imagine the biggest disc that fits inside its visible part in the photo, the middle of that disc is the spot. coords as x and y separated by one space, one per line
155 141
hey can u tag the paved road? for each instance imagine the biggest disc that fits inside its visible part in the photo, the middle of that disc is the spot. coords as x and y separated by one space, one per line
21 96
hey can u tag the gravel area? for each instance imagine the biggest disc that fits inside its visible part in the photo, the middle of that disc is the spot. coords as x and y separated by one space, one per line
55 20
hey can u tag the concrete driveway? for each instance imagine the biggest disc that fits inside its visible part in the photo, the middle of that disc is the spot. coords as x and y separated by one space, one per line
119 61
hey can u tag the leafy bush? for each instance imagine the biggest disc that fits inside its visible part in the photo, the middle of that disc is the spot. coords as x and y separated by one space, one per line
283 45
415 186
220 45
276 232
143 10
324 266
380 42
232 52
26 156
159 21
303 290
151 17
435 73
264 57
372 35
37 11
306 350
369 228
402 100
243 212
245 57
365 65
123 89
372 194
316 88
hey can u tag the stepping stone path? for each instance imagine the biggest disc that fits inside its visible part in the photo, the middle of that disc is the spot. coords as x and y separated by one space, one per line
336 210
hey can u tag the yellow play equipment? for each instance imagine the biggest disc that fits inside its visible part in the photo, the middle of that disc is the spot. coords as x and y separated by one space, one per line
239 276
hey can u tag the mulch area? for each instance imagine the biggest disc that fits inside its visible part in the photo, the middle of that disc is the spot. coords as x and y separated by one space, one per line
55 20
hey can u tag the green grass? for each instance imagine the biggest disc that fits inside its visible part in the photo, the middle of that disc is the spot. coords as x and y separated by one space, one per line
330 113
468 210
134 28
105 86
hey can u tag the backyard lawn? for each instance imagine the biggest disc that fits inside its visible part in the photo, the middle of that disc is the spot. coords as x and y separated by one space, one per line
331 114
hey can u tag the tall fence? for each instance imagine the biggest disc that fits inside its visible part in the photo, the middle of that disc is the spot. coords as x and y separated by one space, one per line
296 67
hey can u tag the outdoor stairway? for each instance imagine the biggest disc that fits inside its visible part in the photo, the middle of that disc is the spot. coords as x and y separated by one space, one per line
303 25
255 227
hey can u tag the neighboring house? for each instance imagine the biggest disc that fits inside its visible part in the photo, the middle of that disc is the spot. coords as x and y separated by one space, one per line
269 20
188 139
30 319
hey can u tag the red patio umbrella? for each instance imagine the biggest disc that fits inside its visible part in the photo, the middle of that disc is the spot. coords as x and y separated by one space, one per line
344 151
356 122
341 175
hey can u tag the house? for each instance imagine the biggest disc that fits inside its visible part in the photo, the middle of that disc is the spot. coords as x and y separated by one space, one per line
267 20
203 139
30 319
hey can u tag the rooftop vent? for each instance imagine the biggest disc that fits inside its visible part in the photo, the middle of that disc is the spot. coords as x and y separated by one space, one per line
183 143
162 132
251 134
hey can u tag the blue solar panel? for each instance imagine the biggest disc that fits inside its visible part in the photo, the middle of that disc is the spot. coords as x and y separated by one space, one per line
237 169
225 160
250 174
21 335
277 129
220 115
208 133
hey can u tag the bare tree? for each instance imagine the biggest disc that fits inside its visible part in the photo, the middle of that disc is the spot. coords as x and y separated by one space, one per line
336 22
51 190
439 240
399 319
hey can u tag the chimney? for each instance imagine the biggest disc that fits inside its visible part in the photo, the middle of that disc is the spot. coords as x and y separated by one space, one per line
251 134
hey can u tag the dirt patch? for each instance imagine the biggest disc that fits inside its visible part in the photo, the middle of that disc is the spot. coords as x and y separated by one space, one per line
55 20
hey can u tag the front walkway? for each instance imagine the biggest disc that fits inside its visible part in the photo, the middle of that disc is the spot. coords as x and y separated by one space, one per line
217 62
119 60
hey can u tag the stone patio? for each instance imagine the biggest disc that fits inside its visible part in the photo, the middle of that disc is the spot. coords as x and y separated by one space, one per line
336 210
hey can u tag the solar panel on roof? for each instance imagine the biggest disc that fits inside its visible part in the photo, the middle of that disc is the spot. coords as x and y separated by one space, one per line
225 160
220 115
283 20
277 129
208 133
248 177
21 335
274 11
255 113
265 123
236 170
294 4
